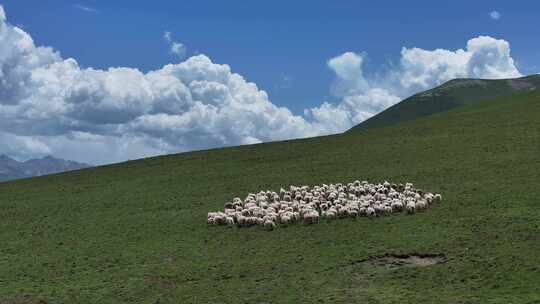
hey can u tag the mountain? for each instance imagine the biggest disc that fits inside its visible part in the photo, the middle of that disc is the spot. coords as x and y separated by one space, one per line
11 169
450 95
136 232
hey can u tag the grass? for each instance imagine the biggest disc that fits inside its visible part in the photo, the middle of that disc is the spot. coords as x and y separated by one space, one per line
136 232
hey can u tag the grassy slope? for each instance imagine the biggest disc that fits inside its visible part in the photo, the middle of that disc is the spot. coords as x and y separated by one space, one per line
136 232
453 94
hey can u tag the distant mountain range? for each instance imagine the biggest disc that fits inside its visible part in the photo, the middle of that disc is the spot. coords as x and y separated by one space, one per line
11 169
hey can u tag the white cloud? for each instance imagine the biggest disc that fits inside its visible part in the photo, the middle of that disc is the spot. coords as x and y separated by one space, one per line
348 69
124 112
495 15
51 105
22 147
2 14
418 70
178 49
167 36
85 8
490 58
175 47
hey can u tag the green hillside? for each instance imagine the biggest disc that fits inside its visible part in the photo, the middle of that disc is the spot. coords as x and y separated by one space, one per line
136 232
453 94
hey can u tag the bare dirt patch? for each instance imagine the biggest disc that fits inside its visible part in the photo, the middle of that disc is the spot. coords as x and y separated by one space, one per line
411 260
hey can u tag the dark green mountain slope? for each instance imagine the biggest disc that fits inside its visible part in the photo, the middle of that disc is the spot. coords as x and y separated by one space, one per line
136 232
453 94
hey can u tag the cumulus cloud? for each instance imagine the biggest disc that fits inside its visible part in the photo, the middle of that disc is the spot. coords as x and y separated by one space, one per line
495 15
194 104
175 47
348 69
22 147
51 105
418 69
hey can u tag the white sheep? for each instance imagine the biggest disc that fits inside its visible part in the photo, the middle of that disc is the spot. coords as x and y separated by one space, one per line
410 207
330 201
269 225
420 205
370 212
397 205
311 217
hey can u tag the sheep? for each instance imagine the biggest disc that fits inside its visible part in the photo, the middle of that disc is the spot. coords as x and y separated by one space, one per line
324 206
428 197
370 212
379 209
253 220
410 207
250 205
220 219
331 214
269 225
396 205
343 212
311 217
330 201
285 219
258 212
421 204
241 221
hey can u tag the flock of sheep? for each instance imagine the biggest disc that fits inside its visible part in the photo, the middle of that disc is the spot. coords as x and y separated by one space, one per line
309 205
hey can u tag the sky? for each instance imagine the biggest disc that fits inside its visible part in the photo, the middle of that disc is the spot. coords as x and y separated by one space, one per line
106 81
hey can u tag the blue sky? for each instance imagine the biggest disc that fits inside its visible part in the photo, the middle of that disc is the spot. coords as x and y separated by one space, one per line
105 81
280 45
